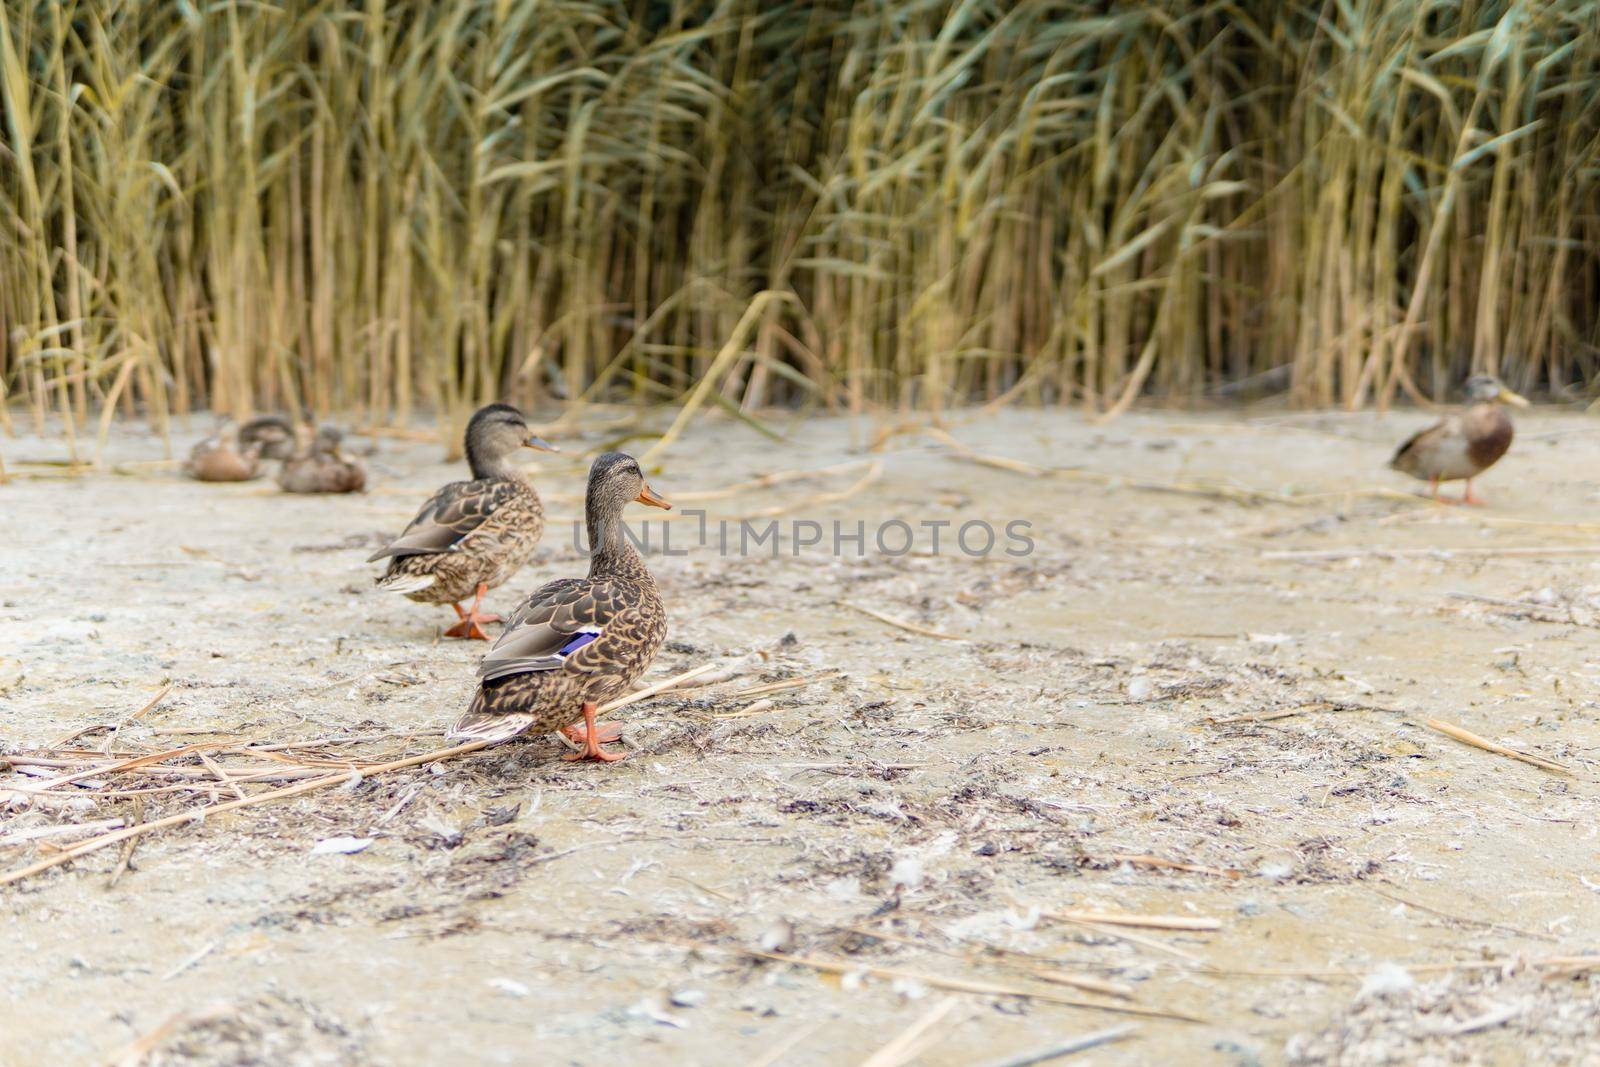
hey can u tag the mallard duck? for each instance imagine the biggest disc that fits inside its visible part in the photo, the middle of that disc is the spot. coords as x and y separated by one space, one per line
1465 444
471 536
323 468
234 454
577 642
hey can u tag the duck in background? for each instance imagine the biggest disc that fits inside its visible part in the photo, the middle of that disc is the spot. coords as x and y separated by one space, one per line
323 467
235 453
577 642
1463 445
471 536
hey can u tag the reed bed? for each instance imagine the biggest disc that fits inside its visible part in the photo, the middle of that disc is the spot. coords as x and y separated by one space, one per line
401 206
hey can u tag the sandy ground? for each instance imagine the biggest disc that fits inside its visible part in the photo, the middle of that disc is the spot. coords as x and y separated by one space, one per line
1235 682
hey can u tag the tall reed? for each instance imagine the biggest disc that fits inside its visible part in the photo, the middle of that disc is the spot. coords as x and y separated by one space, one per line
405 204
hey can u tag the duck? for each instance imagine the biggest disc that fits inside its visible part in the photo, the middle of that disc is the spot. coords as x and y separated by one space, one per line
471 536
577 642
323 468
234 453
1465 444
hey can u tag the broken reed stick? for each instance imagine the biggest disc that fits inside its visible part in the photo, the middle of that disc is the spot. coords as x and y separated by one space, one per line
1136 939
1067 1048
141 713
1239 494
1081 981
767 481
905 1045
957 985
1487 924
121 765
1268 716
1033 961
651 690
22 837
201 813
788 683
872 475
1467 737
1128 918
909 627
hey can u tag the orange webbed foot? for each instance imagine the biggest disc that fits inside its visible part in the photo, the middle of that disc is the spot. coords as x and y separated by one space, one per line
469 627
577 733
591 737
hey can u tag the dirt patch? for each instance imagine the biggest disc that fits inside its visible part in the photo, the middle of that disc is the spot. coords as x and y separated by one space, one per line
1203 697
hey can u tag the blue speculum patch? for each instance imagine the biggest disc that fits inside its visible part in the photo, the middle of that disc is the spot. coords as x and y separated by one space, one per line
576 643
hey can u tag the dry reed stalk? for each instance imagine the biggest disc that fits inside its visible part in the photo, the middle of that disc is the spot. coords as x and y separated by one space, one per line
872 475
1467 737
202 813
323 782
914 1039
1047 206
1145 922
901 624
957 985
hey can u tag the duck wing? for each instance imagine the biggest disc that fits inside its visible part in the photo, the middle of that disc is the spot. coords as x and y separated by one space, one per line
563 625
449 515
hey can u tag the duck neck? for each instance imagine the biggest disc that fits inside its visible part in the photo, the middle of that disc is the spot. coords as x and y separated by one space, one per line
610 552
486 466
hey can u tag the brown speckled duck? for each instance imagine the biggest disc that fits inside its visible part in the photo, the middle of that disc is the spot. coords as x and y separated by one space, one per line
576 642
324 467
471 536
1465 444
234 453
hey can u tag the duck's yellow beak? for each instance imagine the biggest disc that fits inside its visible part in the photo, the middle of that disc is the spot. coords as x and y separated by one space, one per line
1516 400
539 443
648 495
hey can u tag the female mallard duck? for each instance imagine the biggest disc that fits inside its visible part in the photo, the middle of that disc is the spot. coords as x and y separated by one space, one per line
471 536
576 642
323 468
1464 445
234 454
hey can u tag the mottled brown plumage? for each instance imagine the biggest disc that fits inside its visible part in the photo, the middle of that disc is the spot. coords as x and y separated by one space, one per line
324 467
576 642
471 536
1463 445
234 453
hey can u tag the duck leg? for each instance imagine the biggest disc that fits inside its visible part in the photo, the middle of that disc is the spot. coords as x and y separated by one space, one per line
577 732
591 738
1471 497
1433 491
471 624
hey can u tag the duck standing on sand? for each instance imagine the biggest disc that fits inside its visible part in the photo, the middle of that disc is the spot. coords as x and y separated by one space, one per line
471 536
234 454
576 642
324 467
1465 444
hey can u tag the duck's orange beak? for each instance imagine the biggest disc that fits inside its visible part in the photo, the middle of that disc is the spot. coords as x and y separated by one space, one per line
648 495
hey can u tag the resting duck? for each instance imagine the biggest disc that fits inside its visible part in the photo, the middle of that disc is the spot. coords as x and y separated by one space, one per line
323 468
1465 444
234 454
576 642
471 536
